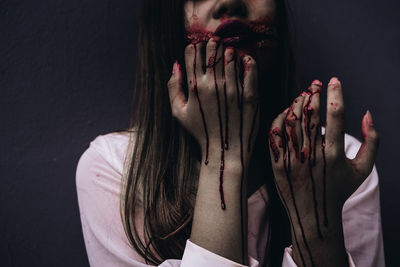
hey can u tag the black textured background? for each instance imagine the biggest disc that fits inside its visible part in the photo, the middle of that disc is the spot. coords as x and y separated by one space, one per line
66 75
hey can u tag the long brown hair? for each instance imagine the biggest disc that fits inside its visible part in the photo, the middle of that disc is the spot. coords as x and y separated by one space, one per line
161 168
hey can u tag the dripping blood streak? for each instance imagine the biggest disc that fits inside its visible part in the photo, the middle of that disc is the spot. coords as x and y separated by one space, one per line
253 124
275 150
308 110
226 108
222 163
198 99
290 219
237 84
272 144
315 144
240 105
291 124
324 181
287 168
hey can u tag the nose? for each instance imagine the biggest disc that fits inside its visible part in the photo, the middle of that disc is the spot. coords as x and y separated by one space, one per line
230 8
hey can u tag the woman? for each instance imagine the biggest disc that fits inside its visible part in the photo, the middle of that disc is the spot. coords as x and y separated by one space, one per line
212 176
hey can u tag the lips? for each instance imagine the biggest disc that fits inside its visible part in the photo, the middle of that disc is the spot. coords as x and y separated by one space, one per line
237 33
232 28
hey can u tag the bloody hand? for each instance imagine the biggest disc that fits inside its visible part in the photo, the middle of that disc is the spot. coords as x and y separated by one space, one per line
312 173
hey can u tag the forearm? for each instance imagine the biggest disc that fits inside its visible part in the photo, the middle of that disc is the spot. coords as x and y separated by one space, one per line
215 229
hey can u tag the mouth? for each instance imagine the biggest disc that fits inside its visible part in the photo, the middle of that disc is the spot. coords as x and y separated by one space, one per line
238 34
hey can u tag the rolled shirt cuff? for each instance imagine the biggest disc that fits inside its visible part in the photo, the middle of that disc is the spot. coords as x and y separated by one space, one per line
195 255
289 262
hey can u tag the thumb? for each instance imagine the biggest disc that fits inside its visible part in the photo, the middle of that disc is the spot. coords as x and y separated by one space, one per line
177 98
365 158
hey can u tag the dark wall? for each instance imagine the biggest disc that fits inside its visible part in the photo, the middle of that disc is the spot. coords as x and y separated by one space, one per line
66 75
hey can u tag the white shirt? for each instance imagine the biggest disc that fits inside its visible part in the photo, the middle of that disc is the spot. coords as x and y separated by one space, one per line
98 178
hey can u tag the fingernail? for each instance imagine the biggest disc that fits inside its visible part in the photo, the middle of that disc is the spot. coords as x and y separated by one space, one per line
333 81
370 121
286 111
303 93
317 82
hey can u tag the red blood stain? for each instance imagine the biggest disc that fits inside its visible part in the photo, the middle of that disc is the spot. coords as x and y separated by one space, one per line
196 32
291 122
199 102
274 148
308 111
287 168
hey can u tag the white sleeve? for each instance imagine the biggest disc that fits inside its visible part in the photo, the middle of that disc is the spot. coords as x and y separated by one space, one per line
361 218
98 177
289 262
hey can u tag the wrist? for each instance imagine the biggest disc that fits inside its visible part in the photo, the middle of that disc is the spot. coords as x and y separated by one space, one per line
231 158
326 250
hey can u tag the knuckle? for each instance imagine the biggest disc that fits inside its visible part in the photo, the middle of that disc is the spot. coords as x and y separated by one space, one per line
334 86
291 119
203 84
231 95
212 44
279 166
229 55
250 96
336 109
250 64
373 136
189 50
298 100
172 82
332 154
275 129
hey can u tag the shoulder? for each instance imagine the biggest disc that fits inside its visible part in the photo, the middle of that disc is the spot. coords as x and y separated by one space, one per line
98 185
104 157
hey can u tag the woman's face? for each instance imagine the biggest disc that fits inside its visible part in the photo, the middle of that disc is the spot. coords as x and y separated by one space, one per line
205 16
211 13
247 25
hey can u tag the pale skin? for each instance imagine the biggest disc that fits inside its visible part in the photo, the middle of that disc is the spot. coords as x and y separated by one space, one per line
220 231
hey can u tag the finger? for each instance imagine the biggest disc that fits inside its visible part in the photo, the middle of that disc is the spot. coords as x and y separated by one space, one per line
239 80
199 59
176 95
276 139
311 121
250 93
230 71
219 66
365 158
228 82
211 52
293 126
190 52
334 135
